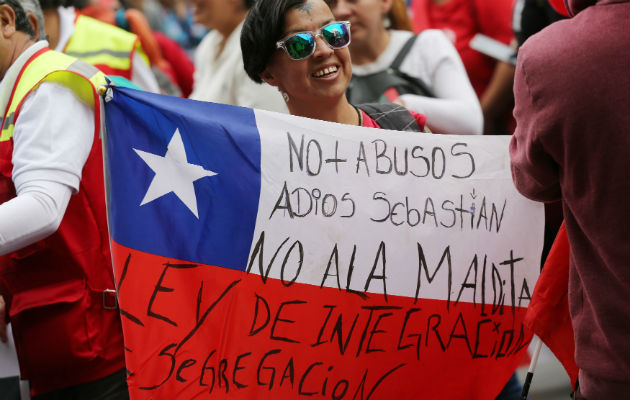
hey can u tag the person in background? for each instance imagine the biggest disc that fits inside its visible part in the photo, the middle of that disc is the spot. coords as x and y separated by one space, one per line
530 17
55 266
380 29
112 50
492 80
219 75
299 47
572 143
151 9
178 24
170 63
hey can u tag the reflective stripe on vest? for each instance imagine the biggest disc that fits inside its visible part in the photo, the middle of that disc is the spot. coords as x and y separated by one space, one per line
102 44
52 66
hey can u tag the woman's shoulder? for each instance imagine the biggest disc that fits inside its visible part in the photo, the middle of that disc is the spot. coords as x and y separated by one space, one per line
430 43
429 50
433 38
385 59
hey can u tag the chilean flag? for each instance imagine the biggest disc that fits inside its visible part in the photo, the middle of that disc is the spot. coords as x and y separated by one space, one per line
266 256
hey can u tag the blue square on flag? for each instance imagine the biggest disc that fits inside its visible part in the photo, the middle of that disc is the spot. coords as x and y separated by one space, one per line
185 177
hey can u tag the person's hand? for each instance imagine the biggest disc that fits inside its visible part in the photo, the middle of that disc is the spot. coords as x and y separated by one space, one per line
3 322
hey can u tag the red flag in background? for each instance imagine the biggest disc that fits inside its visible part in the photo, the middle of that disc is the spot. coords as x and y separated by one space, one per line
548 313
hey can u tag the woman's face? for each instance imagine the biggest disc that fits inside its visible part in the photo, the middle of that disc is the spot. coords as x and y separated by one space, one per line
323 76
366 16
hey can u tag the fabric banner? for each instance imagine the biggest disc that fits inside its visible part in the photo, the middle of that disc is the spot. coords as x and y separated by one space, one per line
266 256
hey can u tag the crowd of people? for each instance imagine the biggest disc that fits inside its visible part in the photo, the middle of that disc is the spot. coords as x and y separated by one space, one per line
386 64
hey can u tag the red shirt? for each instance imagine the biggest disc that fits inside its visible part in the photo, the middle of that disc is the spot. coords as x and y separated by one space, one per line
461 20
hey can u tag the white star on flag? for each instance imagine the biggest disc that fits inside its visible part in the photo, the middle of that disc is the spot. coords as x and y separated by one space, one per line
174 174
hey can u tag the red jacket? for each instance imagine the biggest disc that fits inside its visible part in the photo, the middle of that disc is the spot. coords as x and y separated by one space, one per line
59 290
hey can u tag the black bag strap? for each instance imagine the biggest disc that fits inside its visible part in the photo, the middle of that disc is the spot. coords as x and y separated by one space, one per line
403 52
391 116
395 66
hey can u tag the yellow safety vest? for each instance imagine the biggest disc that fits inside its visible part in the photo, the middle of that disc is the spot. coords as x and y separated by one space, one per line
72 266
52 66
105 46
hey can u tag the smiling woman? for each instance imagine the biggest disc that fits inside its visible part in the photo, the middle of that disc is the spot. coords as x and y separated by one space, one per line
299 47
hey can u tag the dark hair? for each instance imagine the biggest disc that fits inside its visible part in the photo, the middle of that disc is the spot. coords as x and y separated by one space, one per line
22 23
249 3
262 28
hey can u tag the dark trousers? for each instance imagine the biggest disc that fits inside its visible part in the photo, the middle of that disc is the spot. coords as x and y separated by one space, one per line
112 387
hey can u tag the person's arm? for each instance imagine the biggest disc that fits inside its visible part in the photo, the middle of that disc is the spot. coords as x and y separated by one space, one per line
34 214
534 171
496 100
52 139
455 109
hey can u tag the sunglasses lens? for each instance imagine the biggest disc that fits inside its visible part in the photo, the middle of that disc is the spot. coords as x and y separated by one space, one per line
300 45
337 35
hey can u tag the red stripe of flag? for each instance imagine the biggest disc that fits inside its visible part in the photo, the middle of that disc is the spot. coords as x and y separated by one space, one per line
193 330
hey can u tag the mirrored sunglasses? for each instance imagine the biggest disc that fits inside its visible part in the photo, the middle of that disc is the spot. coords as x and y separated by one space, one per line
301 45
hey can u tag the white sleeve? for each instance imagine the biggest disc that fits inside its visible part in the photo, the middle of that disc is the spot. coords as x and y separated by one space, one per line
456 108
142 75
34 214
52 139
